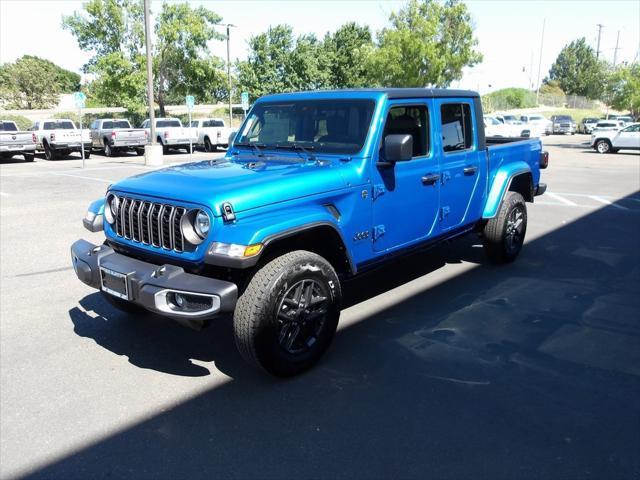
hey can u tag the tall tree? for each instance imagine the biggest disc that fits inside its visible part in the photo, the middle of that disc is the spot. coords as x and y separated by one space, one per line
623 89
182 34
427 44
345 55
578 71
113 30
33 82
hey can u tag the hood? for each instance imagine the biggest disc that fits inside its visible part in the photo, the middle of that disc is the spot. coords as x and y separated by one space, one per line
246 184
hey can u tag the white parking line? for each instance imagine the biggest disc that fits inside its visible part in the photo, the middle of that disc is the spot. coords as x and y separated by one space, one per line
83 177
607 202
562 199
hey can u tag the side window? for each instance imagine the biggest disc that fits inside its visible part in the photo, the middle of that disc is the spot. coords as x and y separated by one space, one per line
94 125
410 120
145 124
457 130
632 128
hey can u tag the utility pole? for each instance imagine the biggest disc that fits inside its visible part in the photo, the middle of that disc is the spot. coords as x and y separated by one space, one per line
540 60
153 152
600 26
615 50
229 25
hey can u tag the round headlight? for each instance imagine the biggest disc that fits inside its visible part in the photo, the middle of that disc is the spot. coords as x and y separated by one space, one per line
111 208
202 223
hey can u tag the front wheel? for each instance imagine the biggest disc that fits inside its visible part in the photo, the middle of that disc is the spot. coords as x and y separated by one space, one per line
603 146
503 235
286 318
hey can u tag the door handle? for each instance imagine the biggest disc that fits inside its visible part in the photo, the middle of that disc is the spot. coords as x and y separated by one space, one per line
430 179
470 170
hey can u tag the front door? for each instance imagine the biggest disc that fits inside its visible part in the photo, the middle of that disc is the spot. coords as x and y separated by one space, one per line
628 137
462 169
405 205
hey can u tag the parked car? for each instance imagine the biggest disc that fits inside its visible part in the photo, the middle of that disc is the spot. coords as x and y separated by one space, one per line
587 124
625 119
211 133
604 125
495 128
59 137
317 187
508 119
171 134
16 142
611 141
114 135
563 124
538 125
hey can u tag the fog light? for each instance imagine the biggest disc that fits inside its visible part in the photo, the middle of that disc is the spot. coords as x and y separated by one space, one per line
186 303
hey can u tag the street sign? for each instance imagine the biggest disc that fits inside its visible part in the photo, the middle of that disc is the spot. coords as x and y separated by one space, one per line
191 101
244 97
79 98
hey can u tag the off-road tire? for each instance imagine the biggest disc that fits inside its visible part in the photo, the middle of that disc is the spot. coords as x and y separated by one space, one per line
122 305
256 322
49 153
498 246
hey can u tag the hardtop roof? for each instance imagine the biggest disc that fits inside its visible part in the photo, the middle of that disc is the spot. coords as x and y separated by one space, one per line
391 93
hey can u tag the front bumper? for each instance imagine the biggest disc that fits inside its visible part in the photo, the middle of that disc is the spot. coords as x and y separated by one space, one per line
148 284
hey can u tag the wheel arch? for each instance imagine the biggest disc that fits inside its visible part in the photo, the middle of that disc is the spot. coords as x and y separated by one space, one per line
517 178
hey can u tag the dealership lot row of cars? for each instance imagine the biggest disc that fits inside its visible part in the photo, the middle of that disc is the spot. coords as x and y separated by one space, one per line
60 137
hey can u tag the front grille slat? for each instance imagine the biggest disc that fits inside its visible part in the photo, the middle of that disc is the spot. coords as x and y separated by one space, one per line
151 223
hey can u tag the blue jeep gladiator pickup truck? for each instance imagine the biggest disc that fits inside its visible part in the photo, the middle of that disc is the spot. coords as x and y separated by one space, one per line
315 187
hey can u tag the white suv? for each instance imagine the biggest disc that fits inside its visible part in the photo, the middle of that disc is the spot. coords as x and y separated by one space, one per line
610 141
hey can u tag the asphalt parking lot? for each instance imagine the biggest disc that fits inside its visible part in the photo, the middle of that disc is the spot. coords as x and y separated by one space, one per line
443 367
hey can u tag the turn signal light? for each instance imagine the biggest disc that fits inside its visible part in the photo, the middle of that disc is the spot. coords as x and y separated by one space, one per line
252 250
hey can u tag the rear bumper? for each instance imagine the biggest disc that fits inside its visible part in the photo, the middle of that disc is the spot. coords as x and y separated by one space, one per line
73 146
148 284
17 149
128 144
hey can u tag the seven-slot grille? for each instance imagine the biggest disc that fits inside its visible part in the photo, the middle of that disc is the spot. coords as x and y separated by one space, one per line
151 223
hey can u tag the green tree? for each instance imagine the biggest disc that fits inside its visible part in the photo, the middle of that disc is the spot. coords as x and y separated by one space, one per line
551 87
578 71
345 54
623 89
428 43
33 82
181 51
113 30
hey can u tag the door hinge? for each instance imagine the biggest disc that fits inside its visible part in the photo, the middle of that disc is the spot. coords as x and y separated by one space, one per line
444 212
378 190
378 231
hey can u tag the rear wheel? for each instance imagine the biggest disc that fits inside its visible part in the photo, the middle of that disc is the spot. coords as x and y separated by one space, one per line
87 153
603 146
165 149
49 153
108 151
208 146
28 157
288 314
503 235
140 151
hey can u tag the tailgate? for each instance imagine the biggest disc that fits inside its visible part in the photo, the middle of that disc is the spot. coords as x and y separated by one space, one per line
68 136
130 135
15 139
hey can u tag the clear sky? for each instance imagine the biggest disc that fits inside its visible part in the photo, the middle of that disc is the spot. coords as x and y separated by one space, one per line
509 32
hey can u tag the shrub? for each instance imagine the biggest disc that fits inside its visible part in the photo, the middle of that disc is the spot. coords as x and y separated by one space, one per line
509 98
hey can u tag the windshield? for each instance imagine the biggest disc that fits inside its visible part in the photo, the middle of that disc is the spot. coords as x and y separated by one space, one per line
326 126
121 124
168 123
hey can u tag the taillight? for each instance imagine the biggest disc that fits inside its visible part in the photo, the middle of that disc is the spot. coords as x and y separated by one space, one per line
113 134
166 134
52 137
544 159
34 138
146 134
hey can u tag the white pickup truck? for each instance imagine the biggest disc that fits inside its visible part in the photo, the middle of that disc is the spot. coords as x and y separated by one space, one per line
115 135
15 142
59 137
171 134
212 133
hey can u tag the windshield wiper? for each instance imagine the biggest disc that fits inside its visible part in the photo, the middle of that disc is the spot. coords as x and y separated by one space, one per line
297 147
256 147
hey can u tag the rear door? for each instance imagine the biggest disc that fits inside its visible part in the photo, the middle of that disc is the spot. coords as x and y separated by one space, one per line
461 161
405 195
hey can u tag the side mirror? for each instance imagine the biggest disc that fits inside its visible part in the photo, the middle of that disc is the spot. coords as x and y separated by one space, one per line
232 137
398 148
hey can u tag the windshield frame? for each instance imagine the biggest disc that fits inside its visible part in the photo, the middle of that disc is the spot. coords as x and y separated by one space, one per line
242 140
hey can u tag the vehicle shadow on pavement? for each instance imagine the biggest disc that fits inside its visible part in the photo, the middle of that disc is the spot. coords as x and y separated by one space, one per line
530 370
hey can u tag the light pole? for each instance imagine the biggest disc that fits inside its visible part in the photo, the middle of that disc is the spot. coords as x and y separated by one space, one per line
152 151
229 25
540 61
